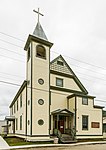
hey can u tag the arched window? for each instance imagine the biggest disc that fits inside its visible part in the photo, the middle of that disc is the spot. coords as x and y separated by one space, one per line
40 52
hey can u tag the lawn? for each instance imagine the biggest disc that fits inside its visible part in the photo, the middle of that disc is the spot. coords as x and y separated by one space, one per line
15 141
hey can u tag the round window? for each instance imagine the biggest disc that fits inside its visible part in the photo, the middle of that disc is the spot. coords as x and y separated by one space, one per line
41 101
41 81
40 122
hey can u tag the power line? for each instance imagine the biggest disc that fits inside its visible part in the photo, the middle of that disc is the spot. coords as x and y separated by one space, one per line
12 36
10 51
51 51
90 76
12 75
11 58
11 43
81 61
9 78
67 57
15 84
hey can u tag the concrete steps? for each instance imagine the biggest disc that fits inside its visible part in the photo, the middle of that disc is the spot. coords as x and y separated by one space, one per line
65 138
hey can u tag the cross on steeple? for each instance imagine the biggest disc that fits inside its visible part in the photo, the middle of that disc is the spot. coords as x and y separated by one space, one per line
38 14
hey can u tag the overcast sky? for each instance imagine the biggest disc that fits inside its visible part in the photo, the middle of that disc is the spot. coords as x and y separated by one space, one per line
76 27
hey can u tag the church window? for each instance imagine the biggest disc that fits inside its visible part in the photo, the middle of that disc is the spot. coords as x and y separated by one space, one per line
21 100
40 52
14 108
21 122
28 122
16 123
28 54
40 122
17 104
59 82
40 101
41 81
84 122
60 63
28 102
84 100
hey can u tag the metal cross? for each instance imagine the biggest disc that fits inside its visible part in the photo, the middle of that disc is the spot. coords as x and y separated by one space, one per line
38 14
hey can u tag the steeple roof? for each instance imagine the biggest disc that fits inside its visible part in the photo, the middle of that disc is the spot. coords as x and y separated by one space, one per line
38 32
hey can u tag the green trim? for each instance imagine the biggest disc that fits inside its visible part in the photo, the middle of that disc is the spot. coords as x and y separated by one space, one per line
64 90
104 113
26 109
31 88
18 93
102 121
32 135
40 135
49 95
61 74
75 114
99 107
75 77
38 40
57 82
90 135
80 95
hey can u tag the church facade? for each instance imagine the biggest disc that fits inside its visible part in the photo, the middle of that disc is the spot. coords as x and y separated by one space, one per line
52 97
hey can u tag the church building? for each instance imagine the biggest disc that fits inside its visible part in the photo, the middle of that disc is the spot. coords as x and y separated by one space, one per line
52 97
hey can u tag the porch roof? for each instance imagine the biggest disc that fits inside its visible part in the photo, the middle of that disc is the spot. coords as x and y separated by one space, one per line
80 95
10 118
62 111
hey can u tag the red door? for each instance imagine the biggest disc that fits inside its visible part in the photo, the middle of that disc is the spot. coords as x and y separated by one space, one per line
61 126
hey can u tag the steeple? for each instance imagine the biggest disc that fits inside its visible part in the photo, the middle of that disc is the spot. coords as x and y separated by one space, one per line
38 32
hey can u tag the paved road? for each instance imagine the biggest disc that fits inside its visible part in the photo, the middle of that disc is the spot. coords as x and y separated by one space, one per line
3 144
80 147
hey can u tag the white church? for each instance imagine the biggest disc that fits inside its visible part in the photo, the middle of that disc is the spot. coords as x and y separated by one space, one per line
52 98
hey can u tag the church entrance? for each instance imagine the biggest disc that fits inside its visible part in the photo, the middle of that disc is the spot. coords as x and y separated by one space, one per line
60 123
62 120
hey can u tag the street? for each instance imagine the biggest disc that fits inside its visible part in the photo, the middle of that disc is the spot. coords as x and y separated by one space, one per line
79 147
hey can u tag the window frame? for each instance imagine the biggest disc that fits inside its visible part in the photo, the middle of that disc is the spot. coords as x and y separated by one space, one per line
28 53
85 123
37 49
60 63
14 109
57 79
17 104
84 102
20 100
21 122
16 123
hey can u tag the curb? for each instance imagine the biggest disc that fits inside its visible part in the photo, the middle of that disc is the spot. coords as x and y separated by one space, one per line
56 145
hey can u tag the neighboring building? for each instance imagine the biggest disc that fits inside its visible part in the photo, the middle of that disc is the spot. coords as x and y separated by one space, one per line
52 97
2 124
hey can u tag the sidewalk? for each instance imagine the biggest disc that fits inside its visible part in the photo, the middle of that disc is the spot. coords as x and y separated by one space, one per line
3 144
57 145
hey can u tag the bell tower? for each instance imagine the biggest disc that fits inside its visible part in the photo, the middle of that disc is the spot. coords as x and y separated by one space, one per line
38 83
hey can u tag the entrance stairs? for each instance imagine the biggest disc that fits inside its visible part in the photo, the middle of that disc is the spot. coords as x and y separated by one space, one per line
66 138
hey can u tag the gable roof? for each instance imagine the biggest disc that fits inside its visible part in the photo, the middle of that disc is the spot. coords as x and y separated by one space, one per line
66 71
18 93
61 111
